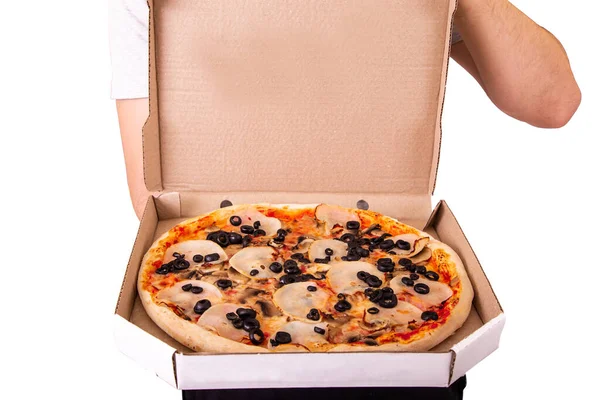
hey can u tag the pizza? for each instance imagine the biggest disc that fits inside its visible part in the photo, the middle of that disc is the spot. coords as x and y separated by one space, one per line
310 278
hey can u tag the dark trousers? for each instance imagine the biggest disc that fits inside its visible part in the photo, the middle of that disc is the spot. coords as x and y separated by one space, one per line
454 392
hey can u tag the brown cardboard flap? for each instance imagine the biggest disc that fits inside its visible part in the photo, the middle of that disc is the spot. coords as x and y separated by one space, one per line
287 96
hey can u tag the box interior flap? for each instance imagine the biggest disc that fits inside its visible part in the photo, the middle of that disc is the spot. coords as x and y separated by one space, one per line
286 96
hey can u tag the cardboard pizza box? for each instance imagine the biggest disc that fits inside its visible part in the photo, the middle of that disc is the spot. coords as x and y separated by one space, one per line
299 102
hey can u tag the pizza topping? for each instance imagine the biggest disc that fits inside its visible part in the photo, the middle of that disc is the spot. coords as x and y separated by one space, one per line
198 258
295 300
342 306
429 315
260 232
231 316
421 288
235 238
276 267
290 267
419 269
311 288
256 336
196 289
352 225
309 335
334 215
424 255
254 272
342 276
245 313
415 243
438 291
405 262
414 276
254 258
192 248
373 310
250 324
215 319
283 337
402 313
247 229
252 218
313 314
431 275
386 244
235 220
385 264
201 306
373 281
246 241
186 287
402 245
319 249
181 294
224 283
212 257
237 323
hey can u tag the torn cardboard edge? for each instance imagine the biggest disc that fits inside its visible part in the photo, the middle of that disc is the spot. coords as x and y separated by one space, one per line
139 338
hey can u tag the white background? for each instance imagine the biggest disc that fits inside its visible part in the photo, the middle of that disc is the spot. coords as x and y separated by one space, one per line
526 198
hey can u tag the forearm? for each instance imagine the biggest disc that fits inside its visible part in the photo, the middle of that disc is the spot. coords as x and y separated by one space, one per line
522 67
132 116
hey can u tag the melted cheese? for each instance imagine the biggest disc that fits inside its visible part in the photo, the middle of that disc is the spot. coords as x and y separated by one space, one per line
254 258
187 300
438 291
318 247
295 299
304 334
214 319
268 224
342 276
190 248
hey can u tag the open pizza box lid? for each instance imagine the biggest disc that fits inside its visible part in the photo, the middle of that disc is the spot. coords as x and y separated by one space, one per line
299 102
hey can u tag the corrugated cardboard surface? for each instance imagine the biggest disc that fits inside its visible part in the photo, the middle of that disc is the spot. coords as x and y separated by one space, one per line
288 96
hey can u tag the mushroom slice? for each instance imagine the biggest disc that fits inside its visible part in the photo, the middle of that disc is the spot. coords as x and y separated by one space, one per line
296 300
304 334
215 319
424 255
303 246
342 276
190 248
417 243
318 247
334 215
186 299
402 314
268 224
254 259
438 291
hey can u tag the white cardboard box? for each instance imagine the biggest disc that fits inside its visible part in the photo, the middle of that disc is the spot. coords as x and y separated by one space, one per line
299 102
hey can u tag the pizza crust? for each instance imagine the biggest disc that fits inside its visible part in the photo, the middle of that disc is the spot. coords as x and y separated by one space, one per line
201 339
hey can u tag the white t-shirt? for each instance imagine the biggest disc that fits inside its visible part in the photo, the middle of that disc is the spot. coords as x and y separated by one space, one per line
128 31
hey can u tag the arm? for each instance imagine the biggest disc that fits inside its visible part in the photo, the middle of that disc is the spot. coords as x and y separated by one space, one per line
132 116
522 67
